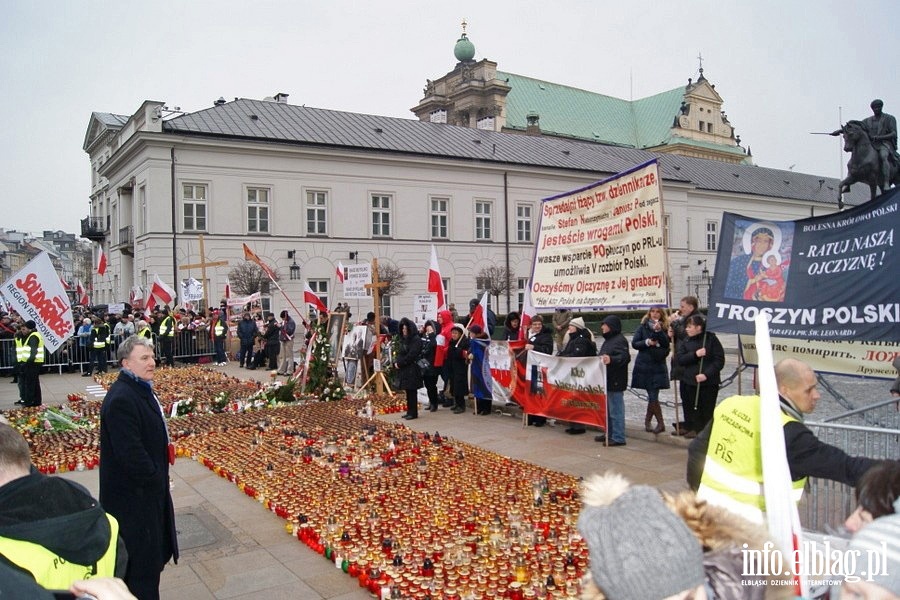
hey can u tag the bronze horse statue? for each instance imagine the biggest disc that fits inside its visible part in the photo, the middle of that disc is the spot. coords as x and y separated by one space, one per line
864 165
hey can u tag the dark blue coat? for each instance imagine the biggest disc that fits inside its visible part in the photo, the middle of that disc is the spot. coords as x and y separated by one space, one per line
134 474
650 371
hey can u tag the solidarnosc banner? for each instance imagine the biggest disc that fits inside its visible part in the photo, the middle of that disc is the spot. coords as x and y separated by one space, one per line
37 294
601 246
835 277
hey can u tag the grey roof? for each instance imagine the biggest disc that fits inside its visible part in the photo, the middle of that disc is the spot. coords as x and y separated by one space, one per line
111 119
287 123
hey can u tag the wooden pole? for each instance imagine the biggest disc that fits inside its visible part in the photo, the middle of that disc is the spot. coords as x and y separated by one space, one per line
202 266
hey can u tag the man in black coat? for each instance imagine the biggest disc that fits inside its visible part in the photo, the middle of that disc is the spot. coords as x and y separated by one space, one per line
134 468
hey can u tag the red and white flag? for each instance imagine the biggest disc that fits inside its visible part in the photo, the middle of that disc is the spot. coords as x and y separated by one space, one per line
340 272
309 296
81 295
160 293
479 314
101 262
65 283
782 517
435 283
528 311
136 297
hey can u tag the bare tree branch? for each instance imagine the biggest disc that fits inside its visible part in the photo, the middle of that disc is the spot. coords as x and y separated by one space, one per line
248 278
496 280
393 277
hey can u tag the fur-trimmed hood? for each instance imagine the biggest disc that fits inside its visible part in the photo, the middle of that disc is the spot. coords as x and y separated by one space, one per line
720 533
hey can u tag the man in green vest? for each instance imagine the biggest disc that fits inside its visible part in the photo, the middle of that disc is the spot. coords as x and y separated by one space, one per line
32 360
50 527
725 461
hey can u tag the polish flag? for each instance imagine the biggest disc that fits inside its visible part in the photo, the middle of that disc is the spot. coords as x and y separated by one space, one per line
81 296
161 293
479 314
101 262
340 272
64 283
528 311
136 297
310 297
435 283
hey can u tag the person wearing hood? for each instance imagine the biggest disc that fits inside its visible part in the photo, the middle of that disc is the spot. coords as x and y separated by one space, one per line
646 545
580 343
429 373
615 355
458 367
409 378
442 339
512 327
702 359
50 527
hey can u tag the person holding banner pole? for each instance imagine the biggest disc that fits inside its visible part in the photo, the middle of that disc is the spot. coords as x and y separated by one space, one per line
580 343
677 334
702 358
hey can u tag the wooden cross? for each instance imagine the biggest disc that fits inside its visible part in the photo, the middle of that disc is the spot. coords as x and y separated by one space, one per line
376 286
202 266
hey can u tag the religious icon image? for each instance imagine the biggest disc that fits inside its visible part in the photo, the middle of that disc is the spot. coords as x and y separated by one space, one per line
761 255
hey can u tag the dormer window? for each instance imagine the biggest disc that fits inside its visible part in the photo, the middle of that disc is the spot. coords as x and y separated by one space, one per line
485 123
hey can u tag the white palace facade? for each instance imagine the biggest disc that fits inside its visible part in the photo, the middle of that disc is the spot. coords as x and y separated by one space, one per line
325 185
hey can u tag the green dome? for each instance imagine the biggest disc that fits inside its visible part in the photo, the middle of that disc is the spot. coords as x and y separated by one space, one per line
464 50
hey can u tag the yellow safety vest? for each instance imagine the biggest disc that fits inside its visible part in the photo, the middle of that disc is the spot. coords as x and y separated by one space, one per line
732 475
171 330
54 572
98 343
23 350
146 333
219 329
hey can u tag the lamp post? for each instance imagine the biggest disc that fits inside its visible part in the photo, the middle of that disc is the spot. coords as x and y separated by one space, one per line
705 279
294 268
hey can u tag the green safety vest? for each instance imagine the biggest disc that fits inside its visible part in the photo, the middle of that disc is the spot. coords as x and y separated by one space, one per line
732 476
54 572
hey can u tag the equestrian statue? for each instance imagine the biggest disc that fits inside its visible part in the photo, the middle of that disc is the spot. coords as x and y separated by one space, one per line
872 144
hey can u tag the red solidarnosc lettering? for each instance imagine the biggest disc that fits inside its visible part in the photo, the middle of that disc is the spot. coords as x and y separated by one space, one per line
50 309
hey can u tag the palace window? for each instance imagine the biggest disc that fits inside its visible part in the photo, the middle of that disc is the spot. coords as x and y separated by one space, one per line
523 223
712 235
381 215
439 217
257 210
482 220
316 212
193 199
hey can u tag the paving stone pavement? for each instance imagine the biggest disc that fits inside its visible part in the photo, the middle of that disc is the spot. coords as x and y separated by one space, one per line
234 548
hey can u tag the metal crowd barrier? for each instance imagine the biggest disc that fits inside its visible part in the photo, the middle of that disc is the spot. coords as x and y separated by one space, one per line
826 504
189 347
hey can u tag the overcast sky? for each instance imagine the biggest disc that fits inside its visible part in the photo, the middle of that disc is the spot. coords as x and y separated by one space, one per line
784 68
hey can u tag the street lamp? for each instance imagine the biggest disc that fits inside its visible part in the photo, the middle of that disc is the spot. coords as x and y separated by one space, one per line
705 279
294 268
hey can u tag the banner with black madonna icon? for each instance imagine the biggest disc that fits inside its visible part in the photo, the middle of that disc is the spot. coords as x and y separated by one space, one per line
833 277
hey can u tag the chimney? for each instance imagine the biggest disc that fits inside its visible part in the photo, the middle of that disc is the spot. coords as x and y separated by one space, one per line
219 102
281 97
533 126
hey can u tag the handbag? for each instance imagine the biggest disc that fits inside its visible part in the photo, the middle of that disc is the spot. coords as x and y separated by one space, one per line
424 366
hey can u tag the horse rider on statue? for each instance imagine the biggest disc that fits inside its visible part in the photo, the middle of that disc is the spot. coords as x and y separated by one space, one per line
882 131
